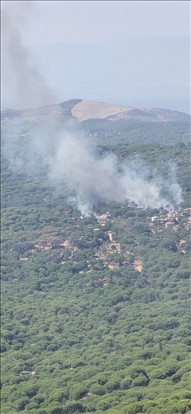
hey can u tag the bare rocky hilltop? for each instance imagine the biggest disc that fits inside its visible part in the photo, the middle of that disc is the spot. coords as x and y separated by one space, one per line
83 110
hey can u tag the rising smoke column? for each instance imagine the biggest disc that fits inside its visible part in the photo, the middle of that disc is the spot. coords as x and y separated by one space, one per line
73 168
68 158
22 83
95 180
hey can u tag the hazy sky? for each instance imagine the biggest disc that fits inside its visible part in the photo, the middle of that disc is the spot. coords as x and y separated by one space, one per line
55 50
92 21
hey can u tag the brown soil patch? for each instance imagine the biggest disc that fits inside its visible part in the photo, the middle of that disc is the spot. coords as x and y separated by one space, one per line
182 242
112 266
138 265
89 109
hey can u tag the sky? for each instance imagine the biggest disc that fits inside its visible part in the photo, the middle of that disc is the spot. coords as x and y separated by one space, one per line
98 21
95 21
41 23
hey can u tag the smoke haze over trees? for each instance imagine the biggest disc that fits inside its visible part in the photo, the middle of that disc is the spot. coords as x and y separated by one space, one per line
90 178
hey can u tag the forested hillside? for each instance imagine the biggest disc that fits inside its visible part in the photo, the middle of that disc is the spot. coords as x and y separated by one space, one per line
95 310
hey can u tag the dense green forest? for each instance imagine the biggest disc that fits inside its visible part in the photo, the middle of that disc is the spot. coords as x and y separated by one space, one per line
95 310
129 131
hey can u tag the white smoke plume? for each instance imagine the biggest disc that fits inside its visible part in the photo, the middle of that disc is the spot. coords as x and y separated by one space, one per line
23 85
72 165
97 180
67 157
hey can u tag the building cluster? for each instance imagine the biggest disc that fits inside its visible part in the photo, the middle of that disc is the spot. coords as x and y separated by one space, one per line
172 218
168 220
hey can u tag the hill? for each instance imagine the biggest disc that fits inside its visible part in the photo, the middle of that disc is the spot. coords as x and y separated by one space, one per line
84 110
101 122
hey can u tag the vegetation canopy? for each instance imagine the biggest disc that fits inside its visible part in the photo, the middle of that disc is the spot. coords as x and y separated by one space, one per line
95 309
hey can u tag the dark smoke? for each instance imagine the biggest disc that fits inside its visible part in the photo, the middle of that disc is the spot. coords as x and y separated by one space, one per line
22 84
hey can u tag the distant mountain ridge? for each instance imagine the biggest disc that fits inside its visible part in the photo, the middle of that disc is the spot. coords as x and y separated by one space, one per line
83 110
